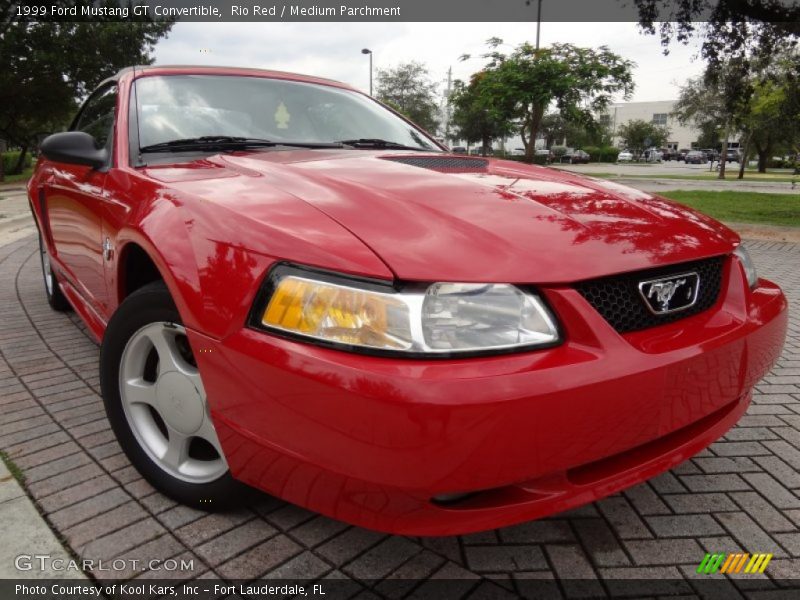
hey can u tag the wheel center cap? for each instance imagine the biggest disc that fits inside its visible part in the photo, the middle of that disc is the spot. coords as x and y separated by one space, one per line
179 403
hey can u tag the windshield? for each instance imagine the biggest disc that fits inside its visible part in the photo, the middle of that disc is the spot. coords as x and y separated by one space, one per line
178 107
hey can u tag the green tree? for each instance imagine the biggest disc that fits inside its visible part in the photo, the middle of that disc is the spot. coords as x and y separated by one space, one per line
638 135
408 89
729 29
49 67
772 122
709 137
579 82
738 38
701 102
762 105
553 128
718 101
475 116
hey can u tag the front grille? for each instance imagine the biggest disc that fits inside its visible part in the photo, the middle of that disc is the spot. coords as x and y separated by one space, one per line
447 164
618 300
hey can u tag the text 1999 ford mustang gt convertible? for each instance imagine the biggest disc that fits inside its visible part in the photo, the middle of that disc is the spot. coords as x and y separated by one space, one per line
298 289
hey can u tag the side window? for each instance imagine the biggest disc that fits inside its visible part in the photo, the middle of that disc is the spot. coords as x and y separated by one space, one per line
97 116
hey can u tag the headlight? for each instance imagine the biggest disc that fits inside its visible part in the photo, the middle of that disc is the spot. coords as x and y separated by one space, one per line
749 268
436 319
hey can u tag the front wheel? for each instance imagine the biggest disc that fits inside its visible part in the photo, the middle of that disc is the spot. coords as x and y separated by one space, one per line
156 402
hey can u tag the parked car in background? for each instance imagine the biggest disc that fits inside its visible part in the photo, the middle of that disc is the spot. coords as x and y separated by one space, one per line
333 309
518 152
652 155
458 150
481 151
695 157
681 155
548 154
668 154
732 155
710 155
575 157
625 156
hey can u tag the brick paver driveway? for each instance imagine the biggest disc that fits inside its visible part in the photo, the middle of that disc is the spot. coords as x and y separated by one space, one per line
741 495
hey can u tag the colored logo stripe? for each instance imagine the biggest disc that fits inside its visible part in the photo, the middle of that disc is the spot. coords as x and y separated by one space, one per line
711 563
758 564
733 563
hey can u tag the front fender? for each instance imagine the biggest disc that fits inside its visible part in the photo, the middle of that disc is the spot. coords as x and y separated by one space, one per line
213 244
211 282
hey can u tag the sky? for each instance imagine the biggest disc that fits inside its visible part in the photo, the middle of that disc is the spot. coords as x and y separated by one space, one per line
333 50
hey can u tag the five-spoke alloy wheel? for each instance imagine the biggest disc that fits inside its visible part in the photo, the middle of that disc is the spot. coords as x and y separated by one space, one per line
165 404
156 402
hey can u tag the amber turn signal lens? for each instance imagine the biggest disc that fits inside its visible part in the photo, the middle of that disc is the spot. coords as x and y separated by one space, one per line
338 314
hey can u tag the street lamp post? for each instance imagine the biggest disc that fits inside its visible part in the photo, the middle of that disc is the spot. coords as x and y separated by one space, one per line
538 22
538 19
368 51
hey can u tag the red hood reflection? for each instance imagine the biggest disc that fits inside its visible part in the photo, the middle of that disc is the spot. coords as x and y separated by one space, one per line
487 221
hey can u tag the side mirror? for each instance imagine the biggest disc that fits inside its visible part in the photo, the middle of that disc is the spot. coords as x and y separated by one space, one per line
74 147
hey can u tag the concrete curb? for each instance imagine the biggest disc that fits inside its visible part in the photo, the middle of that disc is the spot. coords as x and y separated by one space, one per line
25 533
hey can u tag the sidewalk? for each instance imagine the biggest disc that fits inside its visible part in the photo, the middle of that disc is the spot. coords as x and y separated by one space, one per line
22 529
25 533
15 214
660 185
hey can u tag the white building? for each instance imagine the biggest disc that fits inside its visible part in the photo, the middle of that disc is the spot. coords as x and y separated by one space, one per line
660 113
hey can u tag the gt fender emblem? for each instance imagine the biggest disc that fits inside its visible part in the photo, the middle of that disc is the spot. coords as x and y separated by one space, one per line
108 249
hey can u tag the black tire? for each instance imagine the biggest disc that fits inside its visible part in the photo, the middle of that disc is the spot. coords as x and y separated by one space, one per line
55 297
152 303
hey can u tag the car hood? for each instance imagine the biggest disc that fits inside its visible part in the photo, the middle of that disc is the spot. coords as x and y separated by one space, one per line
434 217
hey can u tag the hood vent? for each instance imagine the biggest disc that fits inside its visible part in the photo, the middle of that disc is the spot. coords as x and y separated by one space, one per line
444 164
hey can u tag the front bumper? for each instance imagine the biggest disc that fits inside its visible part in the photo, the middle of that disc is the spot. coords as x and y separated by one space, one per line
371 440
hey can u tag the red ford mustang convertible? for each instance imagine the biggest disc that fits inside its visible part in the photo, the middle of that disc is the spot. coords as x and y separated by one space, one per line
297 289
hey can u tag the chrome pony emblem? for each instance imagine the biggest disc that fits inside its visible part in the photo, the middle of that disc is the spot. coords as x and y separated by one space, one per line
670 294
664 291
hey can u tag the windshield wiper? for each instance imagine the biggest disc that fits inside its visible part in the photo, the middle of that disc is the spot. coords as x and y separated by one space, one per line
382 144
228 142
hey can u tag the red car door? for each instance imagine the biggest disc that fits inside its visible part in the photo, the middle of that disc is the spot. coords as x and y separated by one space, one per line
74 205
